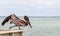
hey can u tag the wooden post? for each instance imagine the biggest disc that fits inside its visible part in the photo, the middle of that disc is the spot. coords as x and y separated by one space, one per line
20 34
12 33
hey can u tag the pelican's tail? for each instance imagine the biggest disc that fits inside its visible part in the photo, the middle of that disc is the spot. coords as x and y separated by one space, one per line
6 20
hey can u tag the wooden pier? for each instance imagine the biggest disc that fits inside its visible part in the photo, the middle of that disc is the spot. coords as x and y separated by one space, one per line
11 32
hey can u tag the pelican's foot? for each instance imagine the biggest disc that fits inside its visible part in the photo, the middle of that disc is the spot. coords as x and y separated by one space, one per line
20 29
10 22
10 27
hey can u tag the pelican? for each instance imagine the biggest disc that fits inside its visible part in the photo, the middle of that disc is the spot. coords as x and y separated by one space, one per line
17 21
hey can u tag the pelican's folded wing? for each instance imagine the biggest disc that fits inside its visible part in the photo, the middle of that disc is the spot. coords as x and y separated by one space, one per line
6 20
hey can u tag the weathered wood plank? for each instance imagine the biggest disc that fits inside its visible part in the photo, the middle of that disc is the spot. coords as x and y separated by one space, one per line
12 33
20 34
4 34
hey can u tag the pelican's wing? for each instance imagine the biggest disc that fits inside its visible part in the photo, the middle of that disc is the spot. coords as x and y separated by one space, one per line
6 20
15 16
20 20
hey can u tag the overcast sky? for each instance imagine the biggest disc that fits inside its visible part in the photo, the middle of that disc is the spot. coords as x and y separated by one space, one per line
30 7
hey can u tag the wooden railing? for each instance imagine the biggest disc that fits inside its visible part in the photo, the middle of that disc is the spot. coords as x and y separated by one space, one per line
11 32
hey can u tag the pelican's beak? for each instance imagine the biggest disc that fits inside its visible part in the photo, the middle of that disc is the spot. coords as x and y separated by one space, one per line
30 25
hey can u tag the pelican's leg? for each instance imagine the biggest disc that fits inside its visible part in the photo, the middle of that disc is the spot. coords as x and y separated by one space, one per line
10 22
19 27
12 26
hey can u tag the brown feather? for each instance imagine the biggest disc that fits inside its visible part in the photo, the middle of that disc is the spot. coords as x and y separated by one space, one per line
6 20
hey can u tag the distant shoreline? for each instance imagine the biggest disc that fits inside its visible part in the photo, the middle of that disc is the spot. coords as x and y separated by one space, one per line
36 16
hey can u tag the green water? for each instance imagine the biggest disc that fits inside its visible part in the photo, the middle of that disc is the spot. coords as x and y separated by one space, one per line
40 27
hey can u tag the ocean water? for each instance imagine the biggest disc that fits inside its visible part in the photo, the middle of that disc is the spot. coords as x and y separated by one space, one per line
41 26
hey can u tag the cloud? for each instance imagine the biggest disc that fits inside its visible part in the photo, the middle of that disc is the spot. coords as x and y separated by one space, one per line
32 3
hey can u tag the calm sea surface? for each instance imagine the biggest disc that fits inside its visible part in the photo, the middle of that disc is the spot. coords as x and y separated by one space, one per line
41 26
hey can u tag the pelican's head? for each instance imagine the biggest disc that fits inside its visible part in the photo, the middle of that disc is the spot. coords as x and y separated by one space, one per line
27 19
